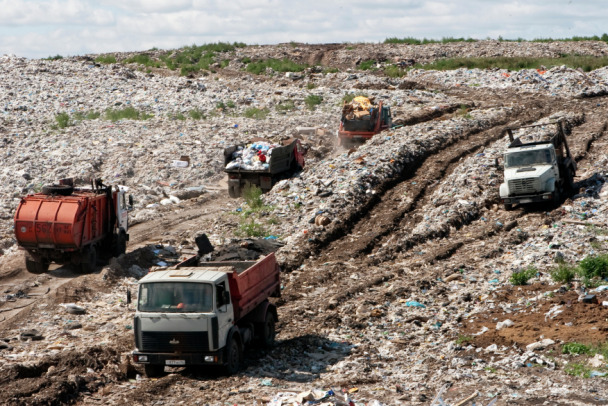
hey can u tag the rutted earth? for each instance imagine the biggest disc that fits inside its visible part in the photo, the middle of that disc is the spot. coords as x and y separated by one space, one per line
395 301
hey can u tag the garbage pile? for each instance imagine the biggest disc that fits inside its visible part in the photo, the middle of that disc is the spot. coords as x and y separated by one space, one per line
360 108
252 157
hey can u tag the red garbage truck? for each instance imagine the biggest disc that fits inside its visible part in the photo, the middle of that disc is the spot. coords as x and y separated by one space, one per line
69 225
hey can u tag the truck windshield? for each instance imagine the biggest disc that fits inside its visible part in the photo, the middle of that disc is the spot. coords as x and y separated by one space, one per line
528 158
175 297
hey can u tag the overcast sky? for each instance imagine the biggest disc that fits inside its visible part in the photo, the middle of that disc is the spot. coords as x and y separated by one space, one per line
42 28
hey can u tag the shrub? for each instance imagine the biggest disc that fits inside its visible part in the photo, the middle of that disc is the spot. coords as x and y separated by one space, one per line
331 70
585 62
106 59
252 229
92 115
277 65
576 348
179 116
594 266
196 114
54 58
253 196
230 104
258 114
128 113
141 59
576 369
310 86
63 120
521 277
366 65
564 273
312 101
287 105
394 71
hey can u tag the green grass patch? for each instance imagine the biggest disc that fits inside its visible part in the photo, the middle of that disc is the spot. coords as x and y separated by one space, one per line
577 369
312 101
576 348
463 339
393 71
230 104
128 113
196 114
331 70
277 65
416 41
251 228
63 120
464 112
258 114
54 58
585 62
253 197
594 266
366 65
143 59
287 105
310 86
522 277
178 116
106 59
564 273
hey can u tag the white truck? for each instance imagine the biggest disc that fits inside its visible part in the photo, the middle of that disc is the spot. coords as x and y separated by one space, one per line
205 313
537 167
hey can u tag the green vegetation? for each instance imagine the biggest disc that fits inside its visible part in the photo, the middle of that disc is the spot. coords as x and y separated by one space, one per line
246 60
331 70
594 266
564 273
585 62
393 71
230 104
179 116
287 105
250 228
310 86
106 59
415 41
224 63
366 65
464 111
576 369
128 113
54 58
576 348
349 97
312 101
522 277
196 114
63 120
463 339
258 114
277 65
143 59
253 197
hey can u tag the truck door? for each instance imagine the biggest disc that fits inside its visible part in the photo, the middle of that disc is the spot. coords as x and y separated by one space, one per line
122 210
225 314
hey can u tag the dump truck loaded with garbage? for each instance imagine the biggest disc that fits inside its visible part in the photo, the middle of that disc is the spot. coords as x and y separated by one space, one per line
538 166
261 163
362 119
72 225
201 313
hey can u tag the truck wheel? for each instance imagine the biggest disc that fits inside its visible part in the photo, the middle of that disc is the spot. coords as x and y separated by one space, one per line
557 198
34 266
234 191
89 262
154 371
233 357
62 190
508 206
268 331
120 244
569 187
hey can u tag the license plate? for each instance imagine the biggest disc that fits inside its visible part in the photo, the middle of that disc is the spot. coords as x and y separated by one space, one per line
525 201
175 362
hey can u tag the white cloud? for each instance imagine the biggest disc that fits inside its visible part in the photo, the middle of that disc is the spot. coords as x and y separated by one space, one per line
69 27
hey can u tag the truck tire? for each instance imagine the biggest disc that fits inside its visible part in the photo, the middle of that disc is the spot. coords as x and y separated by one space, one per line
234 191
268 331
154 371
508 206
569 181
62 190
89 260
34 266
233 357
120 244
557 198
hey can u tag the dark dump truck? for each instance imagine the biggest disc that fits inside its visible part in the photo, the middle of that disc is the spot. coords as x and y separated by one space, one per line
362 124
268 164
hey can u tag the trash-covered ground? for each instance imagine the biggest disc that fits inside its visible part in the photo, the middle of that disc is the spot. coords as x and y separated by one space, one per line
397 255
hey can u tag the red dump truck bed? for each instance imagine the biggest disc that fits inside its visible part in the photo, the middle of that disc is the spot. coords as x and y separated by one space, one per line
61 222
251 282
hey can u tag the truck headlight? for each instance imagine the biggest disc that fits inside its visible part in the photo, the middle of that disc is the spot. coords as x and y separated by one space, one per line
210 358
140 358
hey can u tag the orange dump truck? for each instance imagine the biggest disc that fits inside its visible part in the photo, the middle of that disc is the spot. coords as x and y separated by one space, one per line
65 225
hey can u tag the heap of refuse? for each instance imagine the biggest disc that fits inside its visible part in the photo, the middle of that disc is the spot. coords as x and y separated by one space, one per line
358 109
252 157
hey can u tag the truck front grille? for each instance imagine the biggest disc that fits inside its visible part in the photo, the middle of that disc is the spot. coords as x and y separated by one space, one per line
157 341
524 186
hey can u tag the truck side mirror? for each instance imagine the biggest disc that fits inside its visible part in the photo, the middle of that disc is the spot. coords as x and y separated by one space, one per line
131 201
128 296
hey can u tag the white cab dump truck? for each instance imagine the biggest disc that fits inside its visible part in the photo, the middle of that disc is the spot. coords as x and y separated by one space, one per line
205 313
538 166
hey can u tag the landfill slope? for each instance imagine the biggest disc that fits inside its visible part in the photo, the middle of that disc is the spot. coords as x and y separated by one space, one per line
400 294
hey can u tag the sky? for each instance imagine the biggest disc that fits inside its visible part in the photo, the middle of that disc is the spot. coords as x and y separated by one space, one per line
43 28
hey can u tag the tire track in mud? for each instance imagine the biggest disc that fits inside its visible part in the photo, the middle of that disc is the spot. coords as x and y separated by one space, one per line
440 250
